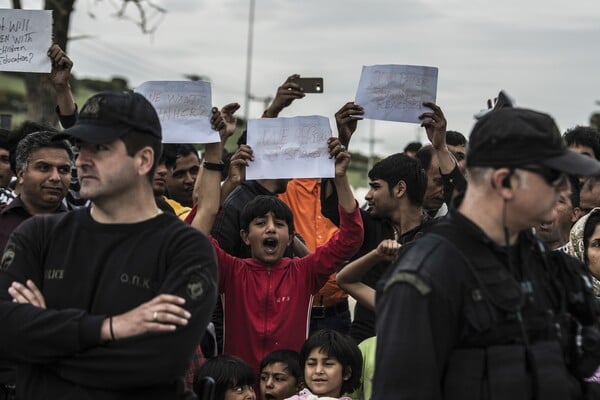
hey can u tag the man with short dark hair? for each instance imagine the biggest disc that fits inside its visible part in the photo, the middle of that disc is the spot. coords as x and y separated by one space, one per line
457 145
395 209
479 308
164 168
43 172
180 182
411 148
110 301
584 140
395 198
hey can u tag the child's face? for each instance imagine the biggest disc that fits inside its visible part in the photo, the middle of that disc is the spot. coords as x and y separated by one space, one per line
243 392
268 237
276 382
323 374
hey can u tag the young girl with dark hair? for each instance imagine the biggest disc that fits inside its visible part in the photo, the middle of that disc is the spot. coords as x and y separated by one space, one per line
332 366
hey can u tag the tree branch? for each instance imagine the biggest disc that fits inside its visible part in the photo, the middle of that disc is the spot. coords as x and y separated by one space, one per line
143 21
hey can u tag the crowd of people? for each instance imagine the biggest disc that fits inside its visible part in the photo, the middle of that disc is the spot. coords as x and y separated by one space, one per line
132 269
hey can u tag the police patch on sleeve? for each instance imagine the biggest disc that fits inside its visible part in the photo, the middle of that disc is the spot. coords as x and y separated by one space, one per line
7 257
195 290
195 286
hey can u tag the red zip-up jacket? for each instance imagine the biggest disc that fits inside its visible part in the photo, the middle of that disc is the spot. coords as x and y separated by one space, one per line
268 308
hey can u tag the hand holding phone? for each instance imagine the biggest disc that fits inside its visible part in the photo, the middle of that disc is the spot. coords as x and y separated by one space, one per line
310 85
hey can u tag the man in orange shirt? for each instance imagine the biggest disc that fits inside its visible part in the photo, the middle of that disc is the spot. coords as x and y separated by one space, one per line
330 307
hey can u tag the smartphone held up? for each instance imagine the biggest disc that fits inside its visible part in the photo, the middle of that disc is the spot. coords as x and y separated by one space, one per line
310 85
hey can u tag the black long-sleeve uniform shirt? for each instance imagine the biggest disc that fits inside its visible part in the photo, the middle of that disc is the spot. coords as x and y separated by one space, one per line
433 304
86 272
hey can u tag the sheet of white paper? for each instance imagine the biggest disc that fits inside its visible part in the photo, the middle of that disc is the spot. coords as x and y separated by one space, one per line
184 109
25 37
290 148
396 92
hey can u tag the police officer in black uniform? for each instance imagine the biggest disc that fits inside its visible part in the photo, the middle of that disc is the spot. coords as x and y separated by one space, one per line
479 308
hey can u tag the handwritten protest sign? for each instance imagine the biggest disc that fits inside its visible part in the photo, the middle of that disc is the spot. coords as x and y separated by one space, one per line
396 92
290 148
184 109
25 37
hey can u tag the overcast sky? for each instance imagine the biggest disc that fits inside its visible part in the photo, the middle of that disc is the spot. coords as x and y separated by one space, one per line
543 53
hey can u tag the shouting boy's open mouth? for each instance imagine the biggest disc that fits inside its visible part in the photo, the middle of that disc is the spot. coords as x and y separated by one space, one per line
270 245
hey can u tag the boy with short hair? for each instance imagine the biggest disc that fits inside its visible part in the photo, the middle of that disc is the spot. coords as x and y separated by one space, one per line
280 375
268 296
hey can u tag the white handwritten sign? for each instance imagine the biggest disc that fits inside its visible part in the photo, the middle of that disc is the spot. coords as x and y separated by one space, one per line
25 37
396 92
290 148
184 109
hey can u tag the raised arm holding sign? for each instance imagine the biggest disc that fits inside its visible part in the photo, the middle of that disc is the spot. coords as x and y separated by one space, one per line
396 92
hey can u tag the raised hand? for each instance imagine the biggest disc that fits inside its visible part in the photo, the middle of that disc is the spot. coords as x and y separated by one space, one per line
342 157
59 76
388 249
238 163
61 66
230 120
435 125
286 94
216 121
346 120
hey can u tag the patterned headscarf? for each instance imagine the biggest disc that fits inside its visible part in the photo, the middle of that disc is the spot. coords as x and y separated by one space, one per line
576 246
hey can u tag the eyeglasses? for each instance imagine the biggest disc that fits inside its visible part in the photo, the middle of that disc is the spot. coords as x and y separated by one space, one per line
552 176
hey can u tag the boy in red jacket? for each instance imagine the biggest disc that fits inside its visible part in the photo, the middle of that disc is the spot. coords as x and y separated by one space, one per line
267 298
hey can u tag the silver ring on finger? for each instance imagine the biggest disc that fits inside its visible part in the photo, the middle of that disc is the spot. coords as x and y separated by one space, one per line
155 316
342 147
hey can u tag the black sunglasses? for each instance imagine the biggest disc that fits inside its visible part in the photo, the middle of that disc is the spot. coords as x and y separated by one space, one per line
552 176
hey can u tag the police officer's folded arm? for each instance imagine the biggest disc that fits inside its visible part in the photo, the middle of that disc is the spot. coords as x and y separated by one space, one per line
155 358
